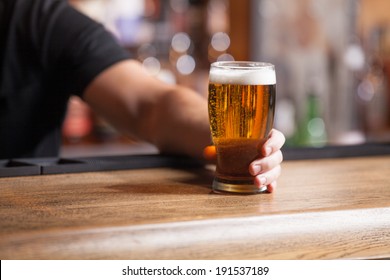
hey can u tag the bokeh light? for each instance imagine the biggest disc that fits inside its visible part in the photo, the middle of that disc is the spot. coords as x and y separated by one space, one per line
185 65
225 57
181 42
220 41
152 65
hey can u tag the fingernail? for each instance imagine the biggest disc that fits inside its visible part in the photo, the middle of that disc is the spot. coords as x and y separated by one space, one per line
263 180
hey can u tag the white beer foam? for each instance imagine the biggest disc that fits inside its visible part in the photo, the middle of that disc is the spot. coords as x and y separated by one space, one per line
264 76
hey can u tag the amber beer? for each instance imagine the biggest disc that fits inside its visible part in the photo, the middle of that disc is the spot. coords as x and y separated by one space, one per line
241 109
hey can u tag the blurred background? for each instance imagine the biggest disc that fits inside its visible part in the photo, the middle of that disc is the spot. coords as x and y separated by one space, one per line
332 60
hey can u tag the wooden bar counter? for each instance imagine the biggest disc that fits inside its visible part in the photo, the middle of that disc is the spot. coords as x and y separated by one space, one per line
322 209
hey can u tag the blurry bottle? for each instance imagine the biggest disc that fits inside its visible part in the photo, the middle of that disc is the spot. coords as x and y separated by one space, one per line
311 130
374 89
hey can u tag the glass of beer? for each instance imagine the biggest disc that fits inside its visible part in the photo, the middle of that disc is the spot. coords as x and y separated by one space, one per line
241 104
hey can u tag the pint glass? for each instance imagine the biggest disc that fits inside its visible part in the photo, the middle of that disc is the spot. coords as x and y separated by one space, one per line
241 105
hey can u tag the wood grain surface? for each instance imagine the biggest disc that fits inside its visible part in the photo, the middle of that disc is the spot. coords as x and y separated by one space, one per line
322 209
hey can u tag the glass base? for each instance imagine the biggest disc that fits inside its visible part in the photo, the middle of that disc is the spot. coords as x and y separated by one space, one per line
243 187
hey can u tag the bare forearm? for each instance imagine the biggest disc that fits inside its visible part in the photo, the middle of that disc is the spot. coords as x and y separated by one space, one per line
173 118
184 126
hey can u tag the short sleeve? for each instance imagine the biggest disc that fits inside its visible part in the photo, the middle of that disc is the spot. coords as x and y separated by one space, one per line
75 47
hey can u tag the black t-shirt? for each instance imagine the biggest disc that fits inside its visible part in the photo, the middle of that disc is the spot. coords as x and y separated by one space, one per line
48 51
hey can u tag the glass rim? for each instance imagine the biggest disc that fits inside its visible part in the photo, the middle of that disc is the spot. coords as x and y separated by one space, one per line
242 65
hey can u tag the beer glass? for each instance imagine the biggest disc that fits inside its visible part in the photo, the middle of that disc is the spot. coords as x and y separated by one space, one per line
241 105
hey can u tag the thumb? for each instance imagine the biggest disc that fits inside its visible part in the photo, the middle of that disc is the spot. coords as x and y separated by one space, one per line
210 153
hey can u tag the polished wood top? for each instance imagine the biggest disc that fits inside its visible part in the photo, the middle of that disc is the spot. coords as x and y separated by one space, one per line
322 209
